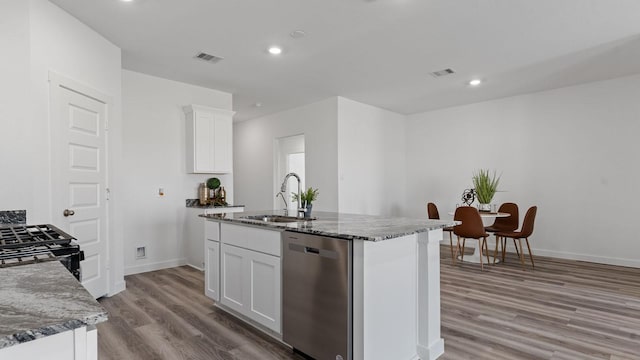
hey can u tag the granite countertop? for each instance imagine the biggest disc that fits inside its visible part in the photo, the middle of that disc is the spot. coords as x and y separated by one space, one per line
43 299
343 226
195 203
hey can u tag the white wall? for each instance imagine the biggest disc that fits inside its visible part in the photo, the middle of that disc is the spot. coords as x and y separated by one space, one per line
253 146
571 151
17 185
39 37
371 159
154 157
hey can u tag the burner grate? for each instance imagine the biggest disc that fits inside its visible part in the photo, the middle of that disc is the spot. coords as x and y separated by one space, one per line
19 236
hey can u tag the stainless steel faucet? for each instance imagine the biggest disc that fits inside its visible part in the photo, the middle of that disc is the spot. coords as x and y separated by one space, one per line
286 205
283 189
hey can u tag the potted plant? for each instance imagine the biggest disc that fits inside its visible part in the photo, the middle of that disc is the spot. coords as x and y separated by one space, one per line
306 199
486 186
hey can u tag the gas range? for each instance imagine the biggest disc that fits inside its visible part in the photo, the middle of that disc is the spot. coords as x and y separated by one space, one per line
27 244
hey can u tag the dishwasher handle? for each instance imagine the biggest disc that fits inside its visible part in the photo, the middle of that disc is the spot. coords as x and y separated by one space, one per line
311 250
331 254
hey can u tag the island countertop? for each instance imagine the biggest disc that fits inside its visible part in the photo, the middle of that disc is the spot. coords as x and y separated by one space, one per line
43 299
343 226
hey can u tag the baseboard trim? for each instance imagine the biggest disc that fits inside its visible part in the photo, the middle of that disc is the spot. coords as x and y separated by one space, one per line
587 258
568 255
154 266
117 287
195 267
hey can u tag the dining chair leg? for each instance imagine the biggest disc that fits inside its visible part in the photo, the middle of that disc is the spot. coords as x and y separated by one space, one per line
516 245
495 251
530 254
521 253
464 240
503 242
451 244
486 248
455 256
481 244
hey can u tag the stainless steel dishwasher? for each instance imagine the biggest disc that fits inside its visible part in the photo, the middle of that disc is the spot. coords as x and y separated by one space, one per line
317 295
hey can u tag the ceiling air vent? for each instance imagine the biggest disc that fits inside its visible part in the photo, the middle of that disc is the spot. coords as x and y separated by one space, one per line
443 72
208 57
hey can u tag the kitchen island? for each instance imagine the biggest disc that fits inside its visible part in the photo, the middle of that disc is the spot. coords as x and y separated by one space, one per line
45 313
395 289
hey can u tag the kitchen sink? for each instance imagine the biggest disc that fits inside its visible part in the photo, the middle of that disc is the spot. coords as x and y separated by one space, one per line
277 218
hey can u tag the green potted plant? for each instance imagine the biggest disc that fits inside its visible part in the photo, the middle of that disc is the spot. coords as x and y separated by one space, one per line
306 199
486 186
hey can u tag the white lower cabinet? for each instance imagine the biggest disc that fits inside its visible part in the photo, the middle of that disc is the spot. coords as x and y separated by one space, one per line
212 259
264 304
77 344
250 280
212 269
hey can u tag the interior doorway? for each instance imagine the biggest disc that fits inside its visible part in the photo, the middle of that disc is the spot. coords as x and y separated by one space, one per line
289 157
79 131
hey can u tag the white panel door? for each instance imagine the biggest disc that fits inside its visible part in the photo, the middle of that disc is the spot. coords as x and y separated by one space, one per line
79 177
265 304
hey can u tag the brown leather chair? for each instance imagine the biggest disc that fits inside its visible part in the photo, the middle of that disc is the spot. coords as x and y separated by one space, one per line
505 224
471 228
524 233
432 212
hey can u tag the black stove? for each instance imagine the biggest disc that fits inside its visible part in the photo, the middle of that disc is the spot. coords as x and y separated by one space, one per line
27 244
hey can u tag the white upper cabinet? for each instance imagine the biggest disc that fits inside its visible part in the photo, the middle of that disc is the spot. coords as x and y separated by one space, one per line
209 140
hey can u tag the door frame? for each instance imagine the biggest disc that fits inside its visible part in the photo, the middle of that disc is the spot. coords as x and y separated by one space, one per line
56 83
277 166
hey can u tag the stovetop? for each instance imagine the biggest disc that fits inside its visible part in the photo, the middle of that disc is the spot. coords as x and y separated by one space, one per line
20 236
28 244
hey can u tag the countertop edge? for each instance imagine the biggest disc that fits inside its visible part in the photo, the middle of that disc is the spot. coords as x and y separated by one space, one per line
284 227
48 330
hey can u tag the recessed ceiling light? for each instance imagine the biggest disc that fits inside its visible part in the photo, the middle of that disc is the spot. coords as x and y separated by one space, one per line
274 50
258 104
297 34
475 82
126 0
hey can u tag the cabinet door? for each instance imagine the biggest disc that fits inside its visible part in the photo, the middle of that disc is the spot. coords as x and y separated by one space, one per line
223 146
203 141
233 274
212 269
264 303
209 141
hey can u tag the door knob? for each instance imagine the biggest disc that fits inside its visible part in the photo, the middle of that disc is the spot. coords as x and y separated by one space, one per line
68 212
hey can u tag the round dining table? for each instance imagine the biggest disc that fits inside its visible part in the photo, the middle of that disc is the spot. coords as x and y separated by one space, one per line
487 219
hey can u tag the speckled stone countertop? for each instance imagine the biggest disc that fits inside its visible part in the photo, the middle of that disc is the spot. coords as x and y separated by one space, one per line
343 226
13 217
195 203
43 299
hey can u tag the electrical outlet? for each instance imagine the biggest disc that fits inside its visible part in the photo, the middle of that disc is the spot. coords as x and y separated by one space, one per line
141 252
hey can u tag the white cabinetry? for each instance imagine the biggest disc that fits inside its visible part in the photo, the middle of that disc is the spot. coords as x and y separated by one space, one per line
212 260
78 344
209 140
251 273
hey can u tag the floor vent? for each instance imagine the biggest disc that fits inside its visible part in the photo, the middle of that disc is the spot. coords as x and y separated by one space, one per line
441 73
208 57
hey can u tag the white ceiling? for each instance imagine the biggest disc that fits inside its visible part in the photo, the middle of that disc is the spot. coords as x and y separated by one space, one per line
378 52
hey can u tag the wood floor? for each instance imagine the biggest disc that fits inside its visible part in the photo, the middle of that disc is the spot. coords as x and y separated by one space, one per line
561 310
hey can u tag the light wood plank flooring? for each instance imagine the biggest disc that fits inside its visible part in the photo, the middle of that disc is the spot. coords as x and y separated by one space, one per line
561 310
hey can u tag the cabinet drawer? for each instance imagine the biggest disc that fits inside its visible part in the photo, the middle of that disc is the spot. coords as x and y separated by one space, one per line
212 230
265 241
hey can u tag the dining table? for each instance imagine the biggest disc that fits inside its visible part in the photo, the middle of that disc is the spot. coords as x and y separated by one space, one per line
487 219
